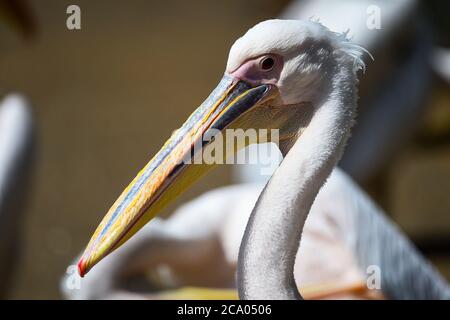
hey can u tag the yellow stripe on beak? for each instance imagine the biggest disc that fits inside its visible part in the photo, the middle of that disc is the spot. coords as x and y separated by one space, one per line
170 171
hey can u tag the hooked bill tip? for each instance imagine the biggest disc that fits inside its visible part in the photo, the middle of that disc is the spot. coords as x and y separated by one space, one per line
81 268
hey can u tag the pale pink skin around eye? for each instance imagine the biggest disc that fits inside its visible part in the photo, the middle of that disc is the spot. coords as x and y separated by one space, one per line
253 72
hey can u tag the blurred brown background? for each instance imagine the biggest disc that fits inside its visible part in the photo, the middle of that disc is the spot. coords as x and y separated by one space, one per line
104 103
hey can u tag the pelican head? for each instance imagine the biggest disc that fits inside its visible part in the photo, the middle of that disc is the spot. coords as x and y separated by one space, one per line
276 75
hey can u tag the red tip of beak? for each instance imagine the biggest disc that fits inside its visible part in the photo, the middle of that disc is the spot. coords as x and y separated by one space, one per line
81 268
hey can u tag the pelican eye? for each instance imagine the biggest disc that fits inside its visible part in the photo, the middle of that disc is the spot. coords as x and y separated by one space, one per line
267 63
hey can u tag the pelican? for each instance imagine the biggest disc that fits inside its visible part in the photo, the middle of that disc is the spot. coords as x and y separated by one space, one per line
300 78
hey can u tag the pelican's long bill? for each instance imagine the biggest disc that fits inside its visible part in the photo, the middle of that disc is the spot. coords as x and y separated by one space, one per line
173 168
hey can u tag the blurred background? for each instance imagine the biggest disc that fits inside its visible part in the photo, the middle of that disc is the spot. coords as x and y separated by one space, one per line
98 104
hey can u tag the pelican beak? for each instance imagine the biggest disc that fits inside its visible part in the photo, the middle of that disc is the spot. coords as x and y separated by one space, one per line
174 168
